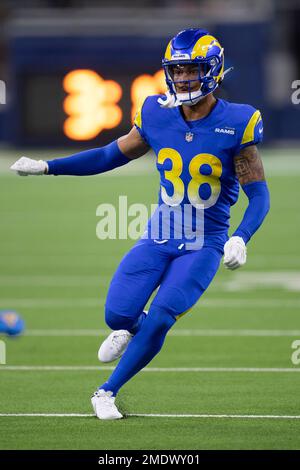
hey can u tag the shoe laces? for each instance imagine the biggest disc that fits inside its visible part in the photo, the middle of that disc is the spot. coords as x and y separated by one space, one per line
107 397
116 338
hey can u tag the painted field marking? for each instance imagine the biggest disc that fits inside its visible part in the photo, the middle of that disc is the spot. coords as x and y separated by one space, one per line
153 369
233 282
176 332
75 303
149 415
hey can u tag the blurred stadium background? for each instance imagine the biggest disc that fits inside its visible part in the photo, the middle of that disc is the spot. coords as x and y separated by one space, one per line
45 43
55 272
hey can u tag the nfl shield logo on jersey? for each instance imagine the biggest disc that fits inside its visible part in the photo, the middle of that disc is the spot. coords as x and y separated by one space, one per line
189 136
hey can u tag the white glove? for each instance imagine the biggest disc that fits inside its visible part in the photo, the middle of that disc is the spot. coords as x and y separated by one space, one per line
235 253
26 166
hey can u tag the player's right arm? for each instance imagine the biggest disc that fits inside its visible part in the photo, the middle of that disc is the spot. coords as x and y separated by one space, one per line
90 162
133 144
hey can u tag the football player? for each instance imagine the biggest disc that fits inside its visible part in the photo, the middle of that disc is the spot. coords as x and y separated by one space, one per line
205 148
11 323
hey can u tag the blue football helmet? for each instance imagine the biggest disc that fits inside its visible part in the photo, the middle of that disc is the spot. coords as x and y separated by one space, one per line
11 323
197 47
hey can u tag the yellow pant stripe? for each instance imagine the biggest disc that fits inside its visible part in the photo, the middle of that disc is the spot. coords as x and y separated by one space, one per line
183 313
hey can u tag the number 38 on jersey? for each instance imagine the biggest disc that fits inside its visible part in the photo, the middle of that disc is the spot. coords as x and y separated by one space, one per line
204 171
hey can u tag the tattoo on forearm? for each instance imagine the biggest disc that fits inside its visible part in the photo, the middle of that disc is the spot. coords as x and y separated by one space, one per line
248 166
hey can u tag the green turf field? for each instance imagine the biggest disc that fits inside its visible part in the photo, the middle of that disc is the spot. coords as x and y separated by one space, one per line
224 379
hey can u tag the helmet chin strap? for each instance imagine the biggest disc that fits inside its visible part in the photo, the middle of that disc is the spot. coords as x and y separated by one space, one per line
187 99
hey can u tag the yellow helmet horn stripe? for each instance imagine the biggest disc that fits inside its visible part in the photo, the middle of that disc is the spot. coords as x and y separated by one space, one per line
203 45
168 55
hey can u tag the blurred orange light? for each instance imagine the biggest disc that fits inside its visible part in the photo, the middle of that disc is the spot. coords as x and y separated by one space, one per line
90 104
145 85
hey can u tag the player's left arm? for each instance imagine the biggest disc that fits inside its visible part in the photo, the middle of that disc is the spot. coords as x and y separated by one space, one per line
248 166
250 172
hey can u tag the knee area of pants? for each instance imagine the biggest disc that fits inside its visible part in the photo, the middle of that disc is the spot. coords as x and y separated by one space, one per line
161 319
172 301
116 321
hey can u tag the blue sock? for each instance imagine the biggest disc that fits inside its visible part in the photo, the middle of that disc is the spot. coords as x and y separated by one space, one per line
138 324
142 348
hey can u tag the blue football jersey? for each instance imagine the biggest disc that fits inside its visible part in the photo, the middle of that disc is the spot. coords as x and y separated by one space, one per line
195 160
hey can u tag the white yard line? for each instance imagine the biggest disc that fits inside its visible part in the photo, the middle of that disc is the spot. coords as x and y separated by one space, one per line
74 279
66 333
91 302
233 282
47 415
176 332
53 281
54 303
215 416
268 261
150 415
5 368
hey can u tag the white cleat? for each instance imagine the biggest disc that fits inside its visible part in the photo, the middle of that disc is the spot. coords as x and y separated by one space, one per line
114 345
104 405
